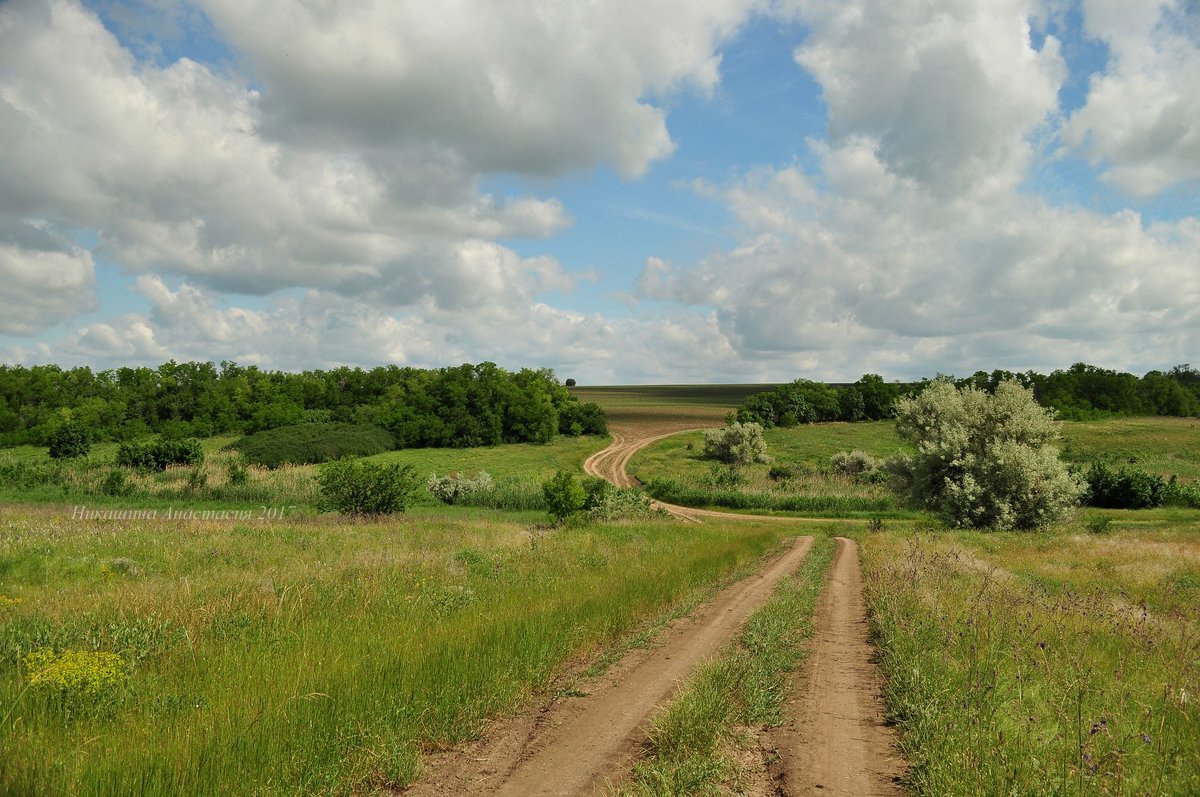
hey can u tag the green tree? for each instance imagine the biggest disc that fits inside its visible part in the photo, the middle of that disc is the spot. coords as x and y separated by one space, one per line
983 460
565 495
69 440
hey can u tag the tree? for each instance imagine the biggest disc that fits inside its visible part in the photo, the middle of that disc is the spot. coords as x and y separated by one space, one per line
983 461
736 444
68 441
565 495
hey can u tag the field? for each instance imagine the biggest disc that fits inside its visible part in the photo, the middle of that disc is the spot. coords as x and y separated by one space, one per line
277 650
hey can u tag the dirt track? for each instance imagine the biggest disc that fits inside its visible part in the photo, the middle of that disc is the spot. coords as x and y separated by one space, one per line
578 746
833 741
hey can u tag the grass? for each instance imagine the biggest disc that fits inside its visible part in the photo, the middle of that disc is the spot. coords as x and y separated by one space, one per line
694 743
313 656
1165 446
27 474
1060 663
674 470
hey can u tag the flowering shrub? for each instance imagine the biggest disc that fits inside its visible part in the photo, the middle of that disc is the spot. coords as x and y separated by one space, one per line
456 488
736 444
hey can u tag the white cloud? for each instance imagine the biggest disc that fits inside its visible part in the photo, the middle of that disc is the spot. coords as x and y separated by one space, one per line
890 275
168 165
1141 121
950 90
524 87
39 288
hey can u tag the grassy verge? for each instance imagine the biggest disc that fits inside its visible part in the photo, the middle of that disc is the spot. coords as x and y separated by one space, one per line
1062 663
674 470
311 656
694 742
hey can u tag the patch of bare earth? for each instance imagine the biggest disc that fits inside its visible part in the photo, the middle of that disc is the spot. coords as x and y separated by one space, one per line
835 740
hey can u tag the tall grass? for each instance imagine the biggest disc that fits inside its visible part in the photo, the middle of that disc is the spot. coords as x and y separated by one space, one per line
1003 683
309 656
831 505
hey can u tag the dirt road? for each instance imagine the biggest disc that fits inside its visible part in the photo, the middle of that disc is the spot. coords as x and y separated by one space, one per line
834 741
578 746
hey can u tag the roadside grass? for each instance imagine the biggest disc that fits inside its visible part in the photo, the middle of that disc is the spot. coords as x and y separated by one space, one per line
695 742
1061 663
674 470
314 655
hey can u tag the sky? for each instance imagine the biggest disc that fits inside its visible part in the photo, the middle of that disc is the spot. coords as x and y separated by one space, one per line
627 191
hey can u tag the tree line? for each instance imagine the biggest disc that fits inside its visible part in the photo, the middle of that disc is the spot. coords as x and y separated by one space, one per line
1081 392
467 405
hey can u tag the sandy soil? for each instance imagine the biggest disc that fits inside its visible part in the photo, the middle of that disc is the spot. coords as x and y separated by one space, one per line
834 741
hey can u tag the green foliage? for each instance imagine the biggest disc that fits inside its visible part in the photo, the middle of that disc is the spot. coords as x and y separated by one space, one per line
458 488
1123 488
673 491
312 444
236 472
76 681
853 463
565 495
781 473
982 460
366 488
805 401
156 455
69 441
736 444
116 483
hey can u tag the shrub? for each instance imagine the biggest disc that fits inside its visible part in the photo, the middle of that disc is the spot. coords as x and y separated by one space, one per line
116 483
366 488
565 495
724 477
619 503
781 473
76 681
736 444
1124 488
852 463
455 488
982 461
313 443
69 441
236 471
158 454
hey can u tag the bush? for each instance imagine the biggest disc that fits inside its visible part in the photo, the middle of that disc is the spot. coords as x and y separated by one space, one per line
116 483
736 444
1124 488
565 495
69 441
983 461
366 488
236 472
158 454
455 488
781 473
313 443
852 463
618 503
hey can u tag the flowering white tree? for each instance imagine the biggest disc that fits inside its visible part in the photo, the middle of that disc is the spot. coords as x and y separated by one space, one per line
983 461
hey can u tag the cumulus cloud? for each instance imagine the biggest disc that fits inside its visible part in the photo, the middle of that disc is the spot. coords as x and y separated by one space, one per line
528 87
951 90
39 288
169 166
1141 121
885 273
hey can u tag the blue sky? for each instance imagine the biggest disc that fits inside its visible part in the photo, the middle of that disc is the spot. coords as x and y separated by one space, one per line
703 191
